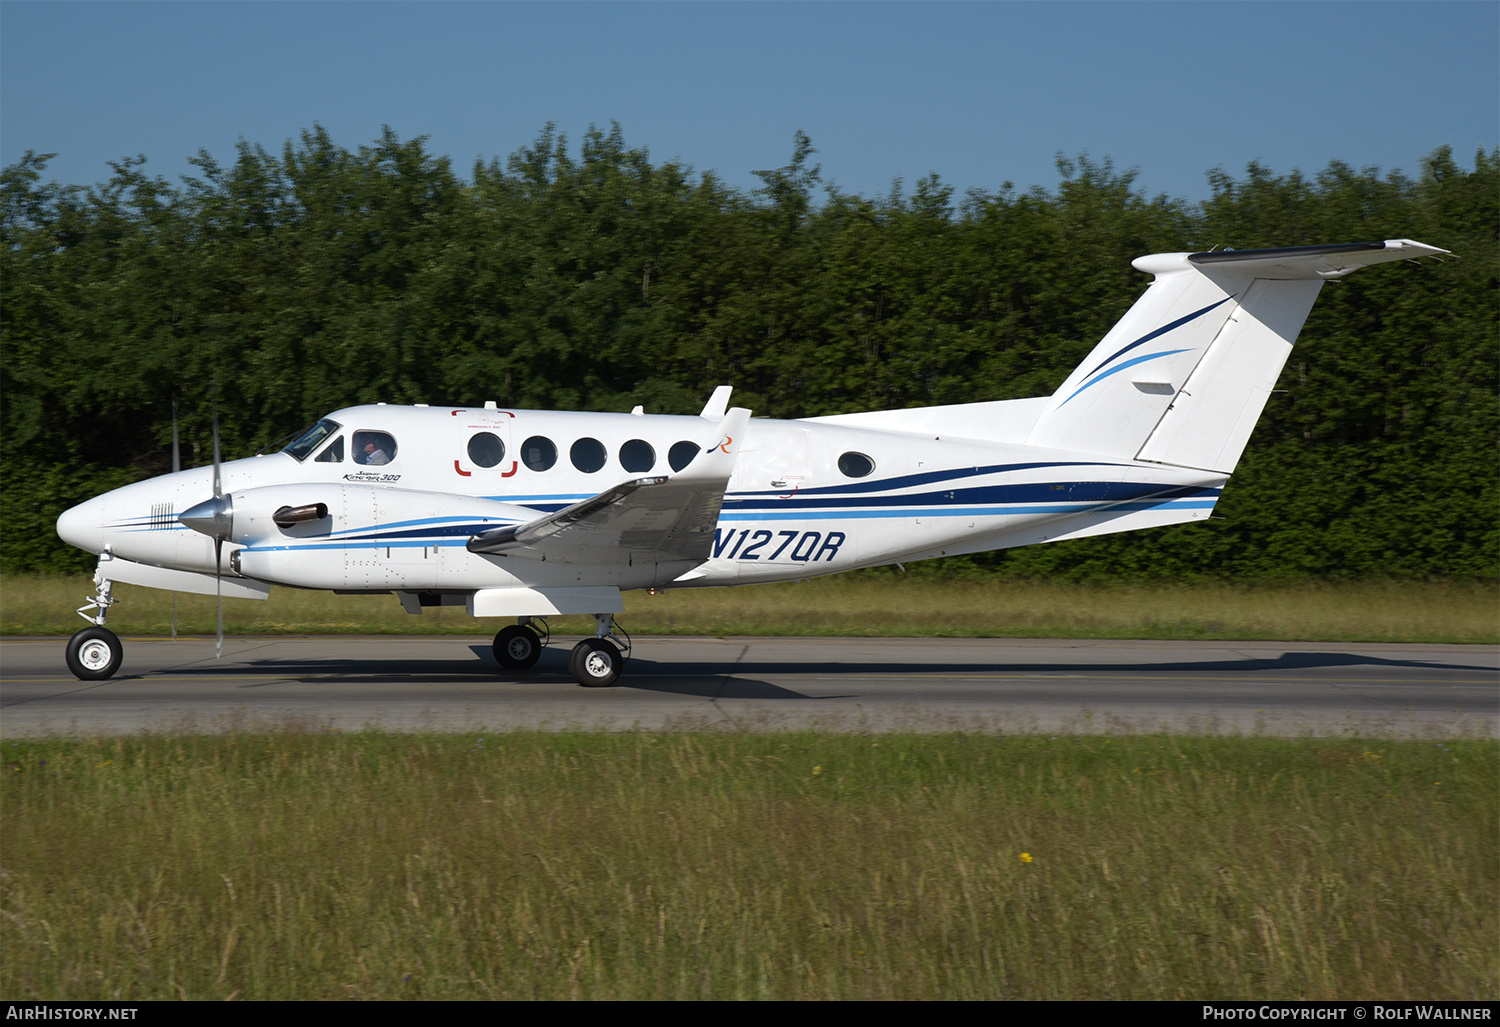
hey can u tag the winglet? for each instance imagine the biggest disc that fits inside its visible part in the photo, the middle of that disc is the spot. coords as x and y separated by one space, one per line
716 461
717 404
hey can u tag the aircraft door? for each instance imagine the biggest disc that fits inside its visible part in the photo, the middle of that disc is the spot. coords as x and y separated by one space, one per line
774 459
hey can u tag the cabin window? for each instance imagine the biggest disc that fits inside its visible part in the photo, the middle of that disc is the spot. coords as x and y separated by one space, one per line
538 453
856 465
486 450
333 453
681 454
637 455
312 439
374 448
587 455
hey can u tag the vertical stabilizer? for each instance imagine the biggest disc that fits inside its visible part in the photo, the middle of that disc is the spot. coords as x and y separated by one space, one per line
1185 374
1211 417
1113 400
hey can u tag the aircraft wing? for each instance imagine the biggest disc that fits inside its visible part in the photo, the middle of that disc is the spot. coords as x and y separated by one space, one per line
659 519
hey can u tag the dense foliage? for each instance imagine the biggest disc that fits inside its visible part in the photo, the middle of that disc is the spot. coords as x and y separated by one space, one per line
283 286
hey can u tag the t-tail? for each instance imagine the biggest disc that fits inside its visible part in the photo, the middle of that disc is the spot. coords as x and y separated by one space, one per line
1184 375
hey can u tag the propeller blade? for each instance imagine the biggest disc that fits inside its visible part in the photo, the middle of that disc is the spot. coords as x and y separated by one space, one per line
219 597
220 530
176 466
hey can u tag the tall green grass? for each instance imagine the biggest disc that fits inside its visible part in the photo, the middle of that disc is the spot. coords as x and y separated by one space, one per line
551 866
882 603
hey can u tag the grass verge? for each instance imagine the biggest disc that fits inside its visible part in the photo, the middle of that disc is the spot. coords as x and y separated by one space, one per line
875 603
623 866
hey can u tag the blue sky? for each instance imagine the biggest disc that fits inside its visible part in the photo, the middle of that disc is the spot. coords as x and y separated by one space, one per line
981 93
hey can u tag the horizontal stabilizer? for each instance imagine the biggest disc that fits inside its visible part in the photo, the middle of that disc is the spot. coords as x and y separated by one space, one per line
1307 262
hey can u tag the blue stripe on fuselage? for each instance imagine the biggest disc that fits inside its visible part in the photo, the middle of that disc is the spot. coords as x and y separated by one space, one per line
1035 492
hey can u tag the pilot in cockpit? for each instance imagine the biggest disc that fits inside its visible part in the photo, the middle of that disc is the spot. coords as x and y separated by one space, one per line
373 448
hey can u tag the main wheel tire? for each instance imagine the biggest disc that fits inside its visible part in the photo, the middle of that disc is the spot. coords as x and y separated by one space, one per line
575 654
517 648
94 654
595 663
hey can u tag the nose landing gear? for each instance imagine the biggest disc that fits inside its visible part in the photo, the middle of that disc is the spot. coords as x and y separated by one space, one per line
95 652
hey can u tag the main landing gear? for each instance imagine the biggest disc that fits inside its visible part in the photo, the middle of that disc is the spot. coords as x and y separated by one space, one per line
519 646
95 652
594 662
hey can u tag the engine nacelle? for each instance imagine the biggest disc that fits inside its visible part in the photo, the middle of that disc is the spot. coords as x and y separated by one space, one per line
357 536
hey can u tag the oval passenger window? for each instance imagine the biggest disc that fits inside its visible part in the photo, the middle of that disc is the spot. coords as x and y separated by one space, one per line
856 465
486 450
538 453
637 455
681 454
587 455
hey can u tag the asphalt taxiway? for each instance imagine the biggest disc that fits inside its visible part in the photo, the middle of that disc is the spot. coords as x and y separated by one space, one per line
454 684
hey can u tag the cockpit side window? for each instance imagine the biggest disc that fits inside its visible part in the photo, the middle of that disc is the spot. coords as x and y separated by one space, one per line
312 439
374 448
333 453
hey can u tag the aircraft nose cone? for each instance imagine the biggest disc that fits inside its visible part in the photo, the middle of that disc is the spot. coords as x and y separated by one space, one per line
83 525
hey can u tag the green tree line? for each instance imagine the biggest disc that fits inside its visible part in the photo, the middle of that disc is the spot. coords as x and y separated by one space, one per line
281 286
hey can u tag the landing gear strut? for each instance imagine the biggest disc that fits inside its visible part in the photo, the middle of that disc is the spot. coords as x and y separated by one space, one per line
94 653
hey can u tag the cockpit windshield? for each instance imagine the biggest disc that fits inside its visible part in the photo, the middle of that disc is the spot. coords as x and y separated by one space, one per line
312 438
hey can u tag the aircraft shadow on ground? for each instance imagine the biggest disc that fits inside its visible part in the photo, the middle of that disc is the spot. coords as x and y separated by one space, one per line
747 679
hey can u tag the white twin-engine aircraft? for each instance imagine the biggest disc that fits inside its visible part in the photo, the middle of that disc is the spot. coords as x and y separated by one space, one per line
525 513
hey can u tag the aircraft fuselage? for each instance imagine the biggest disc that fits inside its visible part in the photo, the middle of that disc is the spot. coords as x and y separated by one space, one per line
805 498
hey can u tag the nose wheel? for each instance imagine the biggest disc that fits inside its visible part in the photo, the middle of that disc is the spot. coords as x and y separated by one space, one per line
94 654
